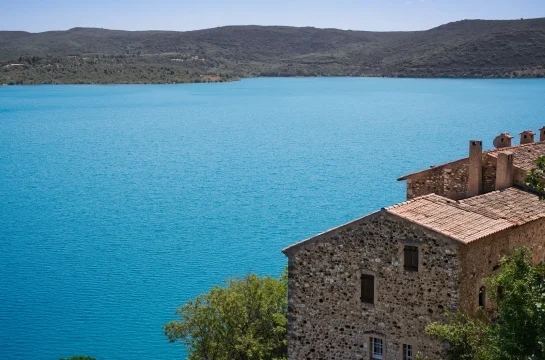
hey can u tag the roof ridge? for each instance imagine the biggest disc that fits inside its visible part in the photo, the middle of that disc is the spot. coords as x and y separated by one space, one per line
513 146
467 219
421 197
491 152
447 232
481 212
490 214
457 204
482 195
430 227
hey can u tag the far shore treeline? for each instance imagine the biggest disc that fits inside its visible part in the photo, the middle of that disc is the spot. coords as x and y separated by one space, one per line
467 49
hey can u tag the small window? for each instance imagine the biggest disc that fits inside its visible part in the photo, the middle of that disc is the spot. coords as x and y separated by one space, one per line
496 267
407 352
500 293
482 297
377 348
367 288
410 262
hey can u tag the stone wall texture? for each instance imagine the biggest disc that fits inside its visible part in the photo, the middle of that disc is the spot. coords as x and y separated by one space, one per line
489 173
448 180
481 258
327 319
519 176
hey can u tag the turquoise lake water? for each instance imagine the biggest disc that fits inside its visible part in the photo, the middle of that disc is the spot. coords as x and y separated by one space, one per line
120 203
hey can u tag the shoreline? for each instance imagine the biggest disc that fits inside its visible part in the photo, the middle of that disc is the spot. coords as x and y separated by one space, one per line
283 77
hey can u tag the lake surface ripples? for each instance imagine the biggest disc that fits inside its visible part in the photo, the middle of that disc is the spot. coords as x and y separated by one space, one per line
120 203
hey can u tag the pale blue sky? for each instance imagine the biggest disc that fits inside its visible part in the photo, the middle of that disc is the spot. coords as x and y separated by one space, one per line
378 15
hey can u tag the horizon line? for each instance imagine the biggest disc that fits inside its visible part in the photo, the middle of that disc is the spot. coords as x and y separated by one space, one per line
261 25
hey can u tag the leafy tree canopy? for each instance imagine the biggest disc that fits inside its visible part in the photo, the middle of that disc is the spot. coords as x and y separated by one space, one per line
535 177
244 320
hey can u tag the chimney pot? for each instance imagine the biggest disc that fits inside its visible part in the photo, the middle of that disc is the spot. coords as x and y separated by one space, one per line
475 171
503 140
504 170
527 137
542 134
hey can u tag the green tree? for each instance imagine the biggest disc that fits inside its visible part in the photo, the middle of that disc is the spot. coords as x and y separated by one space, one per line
519 329
516 330
535 177
244 320
464 335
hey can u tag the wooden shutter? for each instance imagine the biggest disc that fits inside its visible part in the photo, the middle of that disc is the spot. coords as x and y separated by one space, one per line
367 288
410 258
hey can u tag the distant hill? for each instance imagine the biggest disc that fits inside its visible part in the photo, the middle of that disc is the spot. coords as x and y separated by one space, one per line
468 48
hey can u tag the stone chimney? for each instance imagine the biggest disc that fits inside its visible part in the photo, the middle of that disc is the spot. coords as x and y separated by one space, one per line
475 172
504 170
542 134
527 136
503 140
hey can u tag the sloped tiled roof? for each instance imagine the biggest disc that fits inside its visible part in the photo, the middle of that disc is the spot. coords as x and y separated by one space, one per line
473 218
523 155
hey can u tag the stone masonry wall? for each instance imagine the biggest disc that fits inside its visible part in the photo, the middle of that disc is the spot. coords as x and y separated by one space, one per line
328 321
448 180
519 177
489 173
480 259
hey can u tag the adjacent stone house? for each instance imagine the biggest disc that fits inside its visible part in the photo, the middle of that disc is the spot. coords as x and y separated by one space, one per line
367 289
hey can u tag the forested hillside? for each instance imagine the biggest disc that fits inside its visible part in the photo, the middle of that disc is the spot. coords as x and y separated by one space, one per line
469 48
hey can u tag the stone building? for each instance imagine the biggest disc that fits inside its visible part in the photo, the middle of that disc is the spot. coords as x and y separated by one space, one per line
367 289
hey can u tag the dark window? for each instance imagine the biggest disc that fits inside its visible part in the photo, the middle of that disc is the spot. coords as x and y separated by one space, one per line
496 267
407 352
367 288
500 293
410 262
482 296
377 348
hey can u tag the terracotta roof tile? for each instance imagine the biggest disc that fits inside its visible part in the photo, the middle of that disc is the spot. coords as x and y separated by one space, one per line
473 218
523 155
